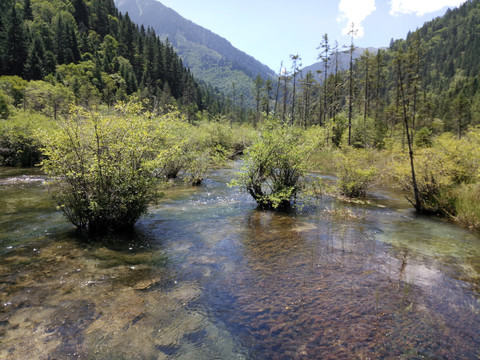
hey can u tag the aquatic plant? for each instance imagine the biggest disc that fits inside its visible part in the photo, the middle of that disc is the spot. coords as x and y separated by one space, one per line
355 174
275 164
106 168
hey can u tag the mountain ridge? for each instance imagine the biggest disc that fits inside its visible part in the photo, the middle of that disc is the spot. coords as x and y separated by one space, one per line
343 62
210 57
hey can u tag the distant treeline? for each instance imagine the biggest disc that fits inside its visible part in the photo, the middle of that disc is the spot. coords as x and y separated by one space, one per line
433 75
97 53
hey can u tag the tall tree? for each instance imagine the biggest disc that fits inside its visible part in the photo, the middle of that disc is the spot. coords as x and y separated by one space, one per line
81 15
336 82
266 97
366 63
286 79
16 45
295 70
34 69
307 86
415 56
258 94
352 34
399 62
277 92
324 56
27 10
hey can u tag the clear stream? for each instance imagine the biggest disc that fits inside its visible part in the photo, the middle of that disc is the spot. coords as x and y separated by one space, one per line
207 276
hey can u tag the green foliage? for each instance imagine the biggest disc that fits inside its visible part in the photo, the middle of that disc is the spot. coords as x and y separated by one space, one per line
423 138
467 205
447 164
275 164
201 152
97 53
205 145
50 100
4 109
355 173
363 133
232 137
106 168
14 86
199 159
20 144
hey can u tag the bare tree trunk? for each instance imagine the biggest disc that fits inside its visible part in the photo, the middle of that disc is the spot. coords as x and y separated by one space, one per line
278 88
418 205
350 94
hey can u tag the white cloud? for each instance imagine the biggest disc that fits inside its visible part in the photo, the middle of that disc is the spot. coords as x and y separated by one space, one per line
420 7
355 11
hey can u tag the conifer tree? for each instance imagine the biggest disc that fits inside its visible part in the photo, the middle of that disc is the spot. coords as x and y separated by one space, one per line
16 45
307 88
34 65
324 56
295 70
258 94
81 15
27 10
352 34
266 97
3 36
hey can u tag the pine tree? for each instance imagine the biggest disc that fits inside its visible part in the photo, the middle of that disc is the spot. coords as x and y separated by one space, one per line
16 46
34 65
307 88
81 15
258 94
3 50
352 33
27 10
295 70
266 97
324 56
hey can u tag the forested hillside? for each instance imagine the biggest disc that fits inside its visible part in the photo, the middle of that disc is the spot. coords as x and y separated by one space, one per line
210 57
450 49
432 77
95 53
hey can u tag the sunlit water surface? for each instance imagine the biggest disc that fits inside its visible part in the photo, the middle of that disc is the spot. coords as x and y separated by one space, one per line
207 276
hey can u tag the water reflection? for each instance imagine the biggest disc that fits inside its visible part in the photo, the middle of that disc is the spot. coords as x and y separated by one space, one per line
206 275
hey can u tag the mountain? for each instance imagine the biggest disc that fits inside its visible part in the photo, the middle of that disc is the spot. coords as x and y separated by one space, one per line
343 62
210 57
95 52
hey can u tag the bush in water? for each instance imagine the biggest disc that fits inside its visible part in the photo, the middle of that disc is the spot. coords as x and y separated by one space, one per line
107 168
275 163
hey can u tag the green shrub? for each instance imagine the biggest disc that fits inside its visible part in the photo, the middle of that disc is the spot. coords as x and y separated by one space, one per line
4 110
107 168
14 86
20 144
440 169
467 205
232 137
275 163
423 138
200 154
355 173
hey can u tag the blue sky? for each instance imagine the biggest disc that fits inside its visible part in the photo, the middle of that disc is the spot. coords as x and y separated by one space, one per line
272 30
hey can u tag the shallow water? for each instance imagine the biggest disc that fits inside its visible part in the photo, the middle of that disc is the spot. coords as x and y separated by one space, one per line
207 276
